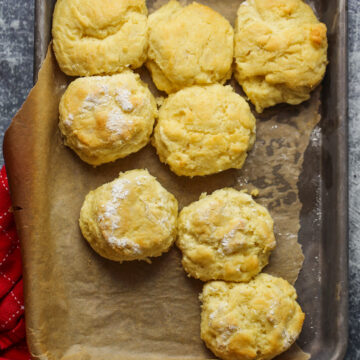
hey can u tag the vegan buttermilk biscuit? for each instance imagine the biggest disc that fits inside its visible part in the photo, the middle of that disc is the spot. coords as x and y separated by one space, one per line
131 218
92 37
280 51
203 130
104 118
250 321
225 236
191 45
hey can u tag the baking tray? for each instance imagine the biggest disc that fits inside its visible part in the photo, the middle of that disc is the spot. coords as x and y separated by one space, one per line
322 284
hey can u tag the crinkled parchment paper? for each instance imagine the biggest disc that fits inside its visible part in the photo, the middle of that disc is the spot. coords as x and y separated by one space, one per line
80 306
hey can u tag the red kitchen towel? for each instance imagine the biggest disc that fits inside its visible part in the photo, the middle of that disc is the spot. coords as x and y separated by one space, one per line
12 322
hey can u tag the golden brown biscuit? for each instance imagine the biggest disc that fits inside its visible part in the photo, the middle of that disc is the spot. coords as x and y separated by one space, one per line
280 51
104 118
131 218
225 236
93 38
250 321
191 45
204 130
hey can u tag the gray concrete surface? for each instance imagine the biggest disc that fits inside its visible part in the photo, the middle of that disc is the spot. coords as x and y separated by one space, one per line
16 57
16 69
354 178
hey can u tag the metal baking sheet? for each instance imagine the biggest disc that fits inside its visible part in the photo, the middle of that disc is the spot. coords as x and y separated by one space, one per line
322 284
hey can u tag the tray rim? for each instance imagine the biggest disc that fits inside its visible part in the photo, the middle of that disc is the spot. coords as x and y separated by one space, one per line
42 39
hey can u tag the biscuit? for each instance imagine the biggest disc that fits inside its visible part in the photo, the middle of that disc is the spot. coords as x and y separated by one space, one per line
225 236
97 38
280 51
191 45
250 321
203 130
104 118
131 218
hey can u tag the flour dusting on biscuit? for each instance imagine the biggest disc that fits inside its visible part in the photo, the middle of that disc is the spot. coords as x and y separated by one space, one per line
117 122
123 96
105 118
131 218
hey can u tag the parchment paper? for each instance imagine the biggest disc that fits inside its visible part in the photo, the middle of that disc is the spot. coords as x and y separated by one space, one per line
80 306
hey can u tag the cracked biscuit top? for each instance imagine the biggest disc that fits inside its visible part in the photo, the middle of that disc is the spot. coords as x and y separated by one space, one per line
280 51
250 321
225 236
92 37
104 118
191 45
203 130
